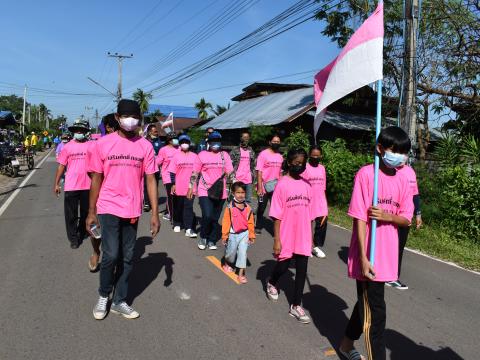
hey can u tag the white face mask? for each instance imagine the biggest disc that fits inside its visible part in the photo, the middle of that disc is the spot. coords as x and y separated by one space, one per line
184 147
78 136
129 123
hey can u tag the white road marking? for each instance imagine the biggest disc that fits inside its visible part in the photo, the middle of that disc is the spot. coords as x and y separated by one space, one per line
22 184
424 255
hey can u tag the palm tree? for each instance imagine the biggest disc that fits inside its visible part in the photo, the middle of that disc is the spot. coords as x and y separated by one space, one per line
202 106
155 115
219 109
143 98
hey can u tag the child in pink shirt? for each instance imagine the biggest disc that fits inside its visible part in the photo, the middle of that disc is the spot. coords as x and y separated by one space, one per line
269 168
292 213
394 209
164 157
181 169
315 174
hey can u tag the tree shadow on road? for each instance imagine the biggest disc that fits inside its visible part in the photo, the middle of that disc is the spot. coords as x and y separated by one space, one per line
146 269
401 347
19 187
327 312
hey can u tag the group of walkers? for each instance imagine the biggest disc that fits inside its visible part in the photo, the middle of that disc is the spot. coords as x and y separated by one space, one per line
111 181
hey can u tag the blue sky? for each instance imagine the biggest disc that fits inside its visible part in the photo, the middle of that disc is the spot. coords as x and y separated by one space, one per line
56 44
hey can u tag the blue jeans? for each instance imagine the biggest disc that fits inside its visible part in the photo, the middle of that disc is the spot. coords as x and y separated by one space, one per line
236 249
211 211
118 242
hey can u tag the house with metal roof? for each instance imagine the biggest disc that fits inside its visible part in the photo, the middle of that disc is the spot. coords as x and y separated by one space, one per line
287 106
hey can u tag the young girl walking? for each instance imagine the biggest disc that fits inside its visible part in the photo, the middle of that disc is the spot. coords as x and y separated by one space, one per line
292 212
238 231
315 174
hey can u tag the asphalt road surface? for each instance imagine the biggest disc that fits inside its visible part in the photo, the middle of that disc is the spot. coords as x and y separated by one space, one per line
191 310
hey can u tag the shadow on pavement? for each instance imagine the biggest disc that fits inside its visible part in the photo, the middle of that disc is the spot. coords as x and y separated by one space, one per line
343 254
286 283
327 312
401 347
20 187
146 269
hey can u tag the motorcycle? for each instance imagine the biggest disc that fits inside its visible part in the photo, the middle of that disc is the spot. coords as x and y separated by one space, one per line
9 165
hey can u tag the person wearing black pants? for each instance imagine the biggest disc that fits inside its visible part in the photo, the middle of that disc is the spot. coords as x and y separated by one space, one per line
262 206
183 213
319 235
301 264
369 317
75 225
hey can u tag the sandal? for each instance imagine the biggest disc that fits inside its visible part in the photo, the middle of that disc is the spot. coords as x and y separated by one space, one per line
352 354
242 279
93 266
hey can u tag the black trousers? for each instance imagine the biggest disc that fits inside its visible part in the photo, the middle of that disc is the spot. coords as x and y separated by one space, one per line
262 206
183 212
320 232
402 241
168 189
369 317
76 211
301 264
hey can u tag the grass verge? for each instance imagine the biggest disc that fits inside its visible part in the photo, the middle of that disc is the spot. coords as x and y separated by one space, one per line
432 240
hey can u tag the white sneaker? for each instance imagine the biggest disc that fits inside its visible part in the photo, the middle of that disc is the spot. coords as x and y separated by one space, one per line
318 252
212 246
124 310
100 309
189 233
176 229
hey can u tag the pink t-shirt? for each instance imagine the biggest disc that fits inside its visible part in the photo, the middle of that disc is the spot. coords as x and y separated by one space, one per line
182 166
164 157
270 164
393 197
317 178
409 173
244 173
291 204
73 156
209 166
123 163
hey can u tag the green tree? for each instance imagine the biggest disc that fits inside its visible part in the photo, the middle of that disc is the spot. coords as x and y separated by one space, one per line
259 134
219 109
203 106
143 98
11 103
298 139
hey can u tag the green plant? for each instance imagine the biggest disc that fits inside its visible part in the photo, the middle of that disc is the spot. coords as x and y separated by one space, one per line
341 165
447 151
259 134
196 134
471 149
299 139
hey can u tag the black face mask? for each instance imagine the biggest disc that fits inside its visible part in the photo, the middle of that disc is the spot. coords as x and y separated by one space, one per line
244 143
275 146
314 161
296 170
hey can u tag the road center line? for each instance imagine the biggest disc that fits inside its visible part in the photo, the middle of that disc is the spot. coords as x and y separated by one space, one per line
22 184
218 265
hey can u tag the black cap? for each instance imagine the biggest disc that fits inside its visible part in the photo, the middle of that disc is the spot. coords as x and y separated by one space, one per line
128 107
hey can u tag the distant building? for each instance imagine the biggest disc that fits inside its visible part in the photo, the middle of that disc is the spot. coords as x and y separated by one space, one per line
184 117
287 106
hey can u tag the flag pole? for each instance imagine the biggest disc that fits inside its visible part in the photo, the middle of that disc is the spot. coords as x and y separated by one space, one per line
378 125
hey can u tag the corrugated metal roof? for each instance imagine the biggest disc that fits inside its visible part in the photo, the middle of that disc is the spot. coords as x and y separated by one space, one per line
178 111
265 110
352 121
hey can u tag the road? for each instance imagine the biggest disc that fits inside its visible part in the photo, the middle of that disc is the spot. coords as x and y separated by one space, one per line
191 310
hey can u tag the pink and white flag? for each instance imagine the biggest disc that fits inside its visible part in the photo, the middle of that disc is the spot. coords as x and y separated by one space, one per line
360 63
168 121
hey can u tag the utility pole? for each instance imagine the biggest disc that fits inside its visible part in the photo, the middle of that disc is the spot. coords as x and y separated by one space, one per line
29 113
408 111
96 119
24 109
120 61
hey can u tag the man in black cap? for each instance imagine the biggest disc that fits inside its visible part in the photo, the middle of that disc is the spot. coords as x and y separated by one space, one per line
77 182
118 164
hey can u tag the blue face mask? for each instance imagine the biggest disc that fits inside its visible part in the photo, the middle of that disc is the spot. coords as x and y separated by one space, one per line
215 146
175 142
393 160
